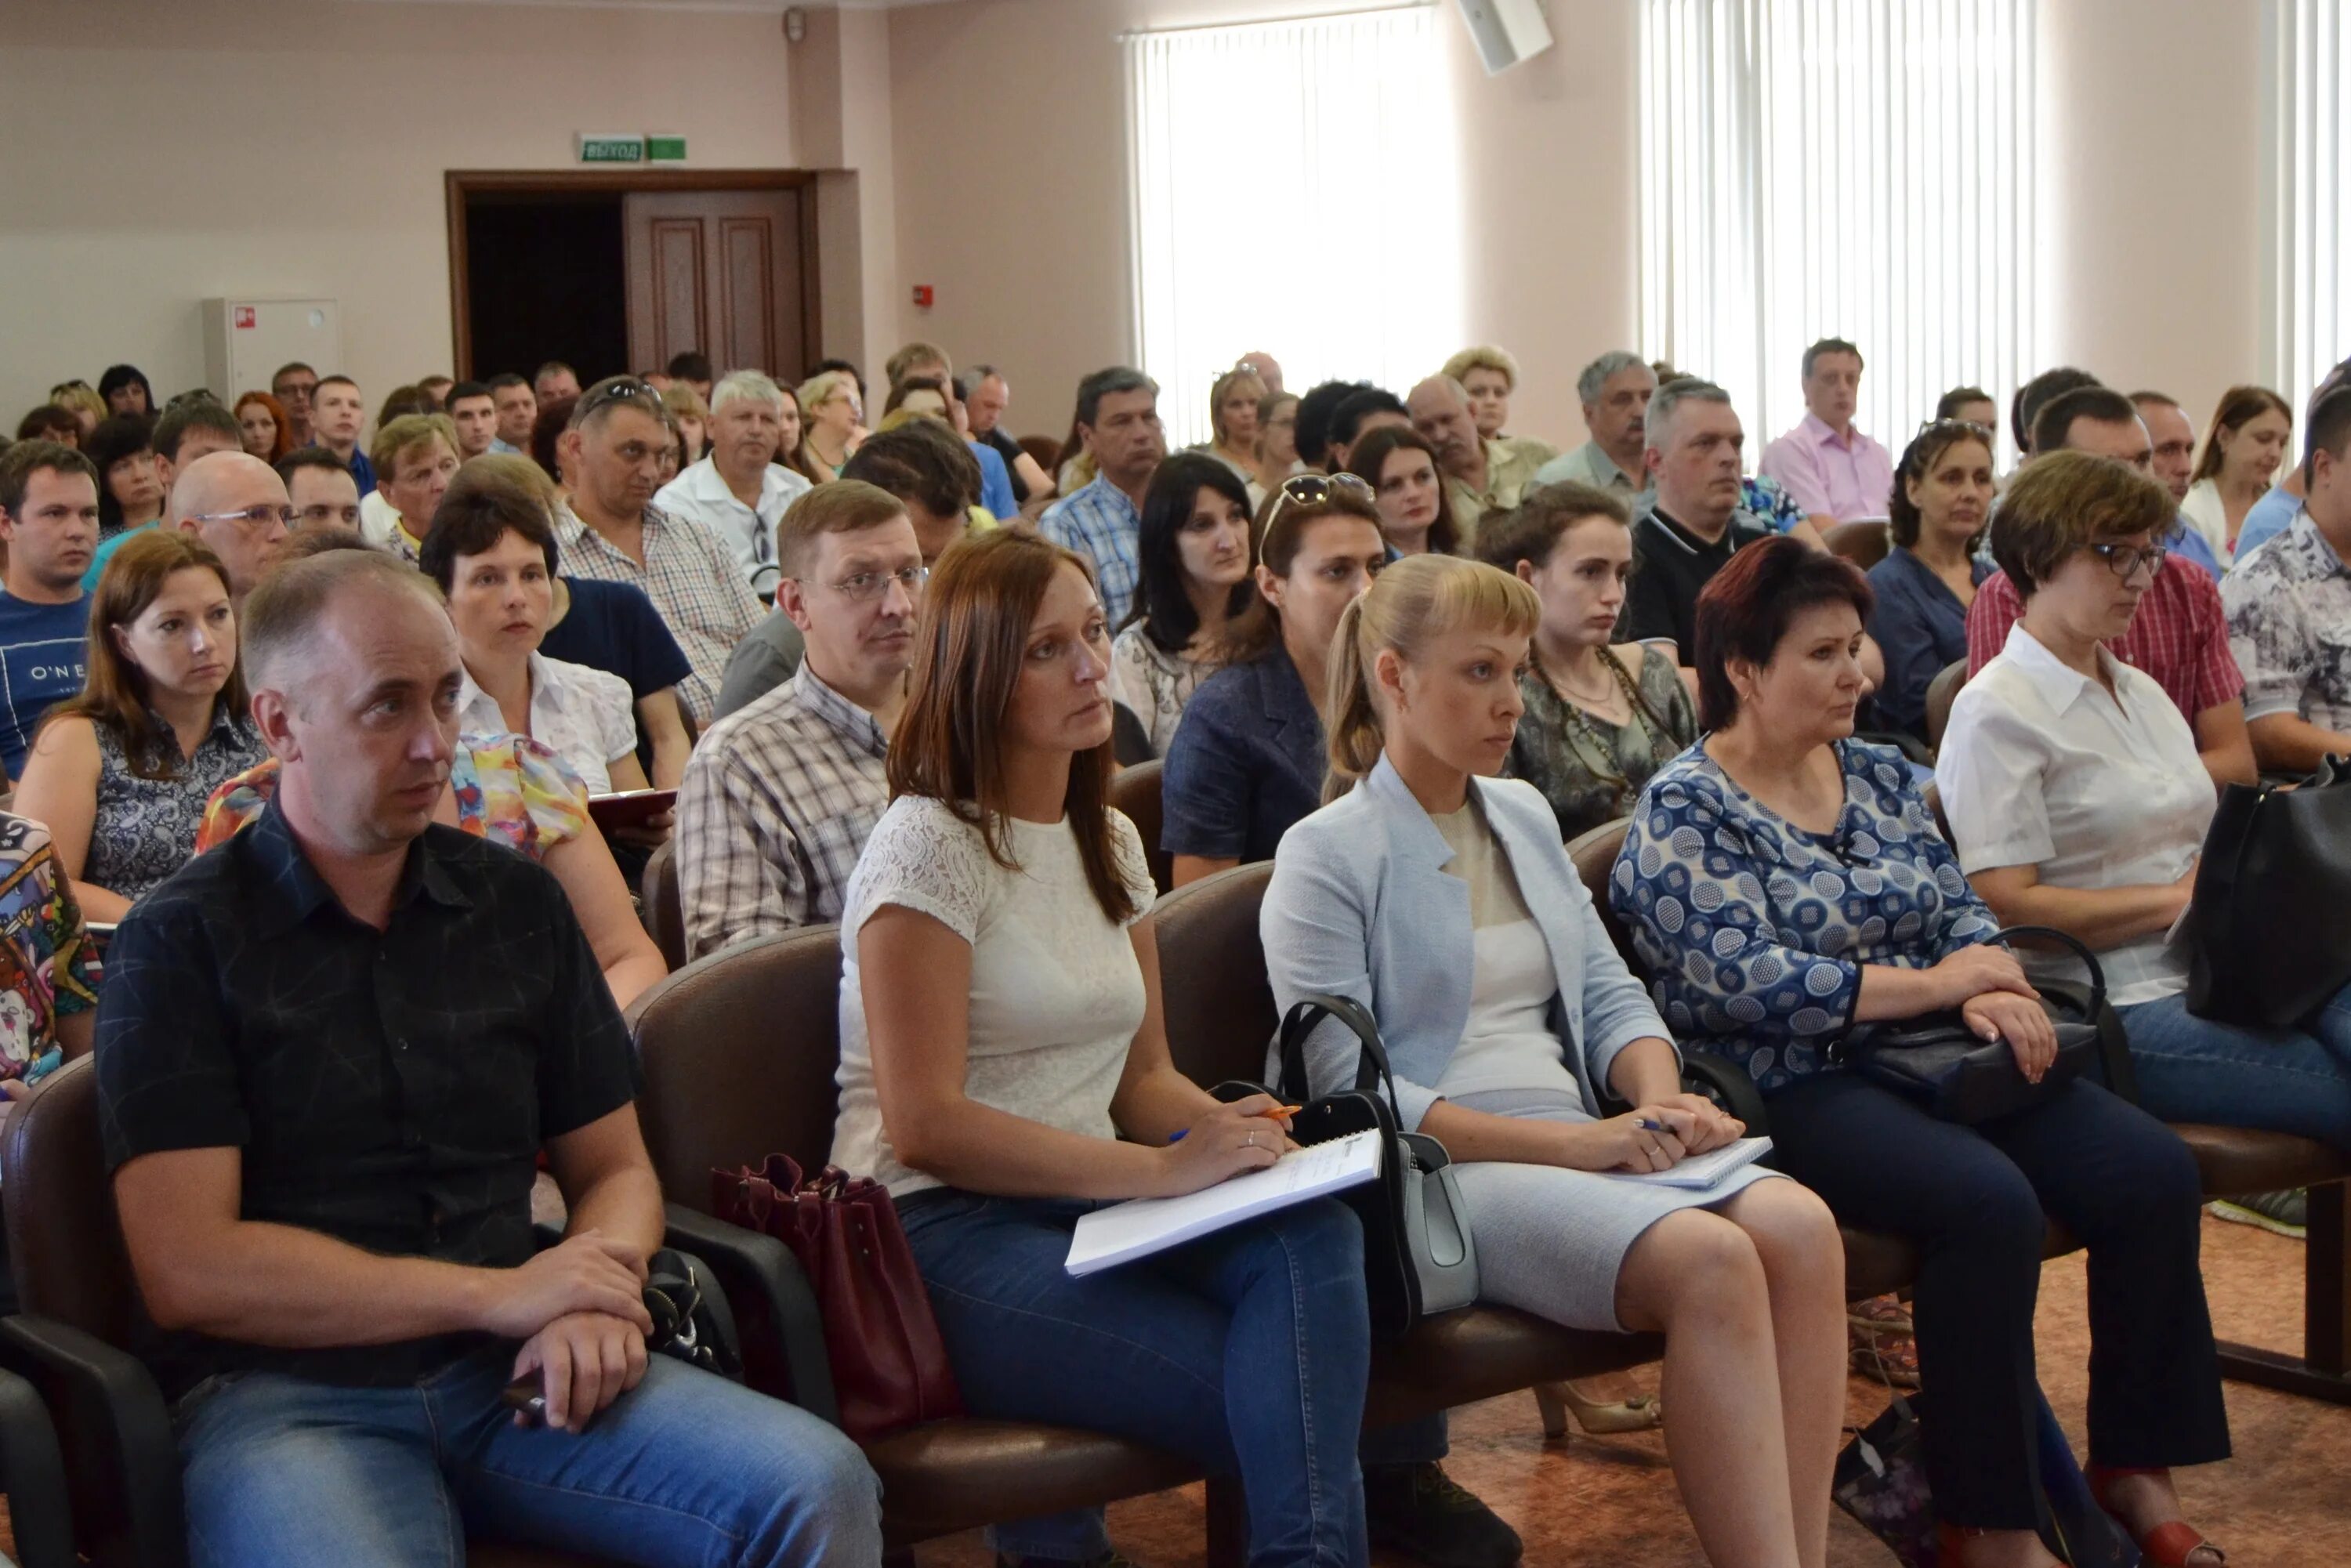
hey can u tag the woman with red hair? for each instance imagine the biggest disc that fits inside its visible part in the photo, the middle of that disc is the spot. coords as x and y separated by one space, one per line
269 434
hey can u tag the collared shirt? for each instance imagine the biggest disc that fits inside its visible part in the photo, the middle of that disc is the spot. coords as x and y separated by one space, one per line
995 481
1588 465
701 494
390 1090
2180 635
778 802
382 526
48 969
1246 763
2267 519
41 650
1848 476
2042 767
692 580
145 829
500 444
2290 627
583 715
1671 565
1100 521
764 660
362 471
2183 540
1920 626
1511 463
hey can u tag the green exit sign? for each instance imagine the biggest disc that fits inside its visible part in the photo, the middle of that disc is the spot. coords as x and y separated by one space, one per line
594 148
661 149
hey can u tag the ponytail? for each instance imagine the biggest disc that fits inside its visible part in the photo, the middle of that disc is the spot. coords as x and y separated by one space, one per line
1353 724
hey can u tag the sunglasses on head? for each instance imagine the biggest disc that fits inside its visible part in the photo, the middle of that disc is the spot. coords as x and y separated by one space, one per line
624 389
1313 489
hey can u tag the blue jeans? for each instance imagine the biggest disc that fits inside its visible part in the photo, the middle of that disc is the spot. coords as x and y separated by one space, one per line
685 1469
1246 1351
2278 1080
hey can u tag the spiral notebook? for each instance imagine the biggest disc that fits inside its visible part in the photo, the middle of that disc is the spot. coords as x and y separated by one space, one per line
1141 1225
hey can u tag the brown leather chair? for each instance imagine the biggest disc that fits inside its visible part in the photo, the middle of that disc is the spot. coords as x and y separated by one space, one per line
1219 1023
79 1307
739 1050
1941 692
1136 792
1046 451
1863 543
658 905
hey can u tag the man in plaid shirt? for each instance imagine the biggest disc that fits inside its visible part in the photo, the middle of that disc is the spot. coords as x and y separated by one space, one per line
1118 419
781 794
616 533
2181 634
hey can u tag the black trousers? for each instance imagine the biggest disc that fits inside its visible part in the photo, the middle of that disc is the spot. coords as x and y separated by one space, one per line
1974 1201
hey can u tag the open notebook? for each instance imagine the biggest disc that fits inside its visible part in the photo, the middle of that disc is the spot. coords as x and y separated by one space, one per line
1700 1172
1141 1225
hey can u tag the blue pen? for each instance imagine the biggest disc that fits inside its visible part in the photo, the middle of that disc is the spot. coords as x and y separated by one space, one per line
1648 1126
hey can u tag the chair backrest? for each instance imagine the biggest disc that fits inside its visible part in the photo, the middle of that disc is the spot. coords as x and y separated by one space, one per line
1045 450
1212 985
65 1244
1136 792
1865 543
738 1051
1941 693
664 913
1594 854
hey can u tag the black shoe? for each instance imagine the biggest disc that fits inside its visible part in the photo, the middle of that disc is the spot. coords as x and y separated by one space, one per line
1419 1510
2286 1213
1114 1558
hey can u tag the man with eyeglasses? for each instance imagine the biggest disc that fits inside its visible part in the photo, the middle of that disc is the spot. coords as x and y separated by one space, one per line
48 520
292 387
237 504
779 797
2180 632
613 532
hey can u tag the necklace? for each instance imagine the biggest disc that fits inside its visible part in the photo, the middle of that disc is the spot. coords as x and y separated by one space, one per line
1578 697
1594 750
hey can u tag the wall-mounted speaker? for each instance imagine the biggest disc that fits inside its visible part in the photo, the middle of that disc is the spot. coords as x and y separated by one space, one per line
1507 31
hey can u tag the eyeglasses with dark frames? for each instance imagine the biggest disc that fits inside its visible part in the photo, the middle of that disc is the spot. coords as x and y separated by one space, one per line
2125 560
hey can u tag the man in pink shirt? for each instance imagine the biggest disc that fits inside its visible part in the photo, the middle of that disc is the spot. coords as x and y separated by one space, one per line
1825 462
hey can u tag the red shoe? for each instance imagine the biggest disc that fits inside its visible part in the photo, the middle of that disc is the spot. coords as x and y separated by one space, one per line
2168 1545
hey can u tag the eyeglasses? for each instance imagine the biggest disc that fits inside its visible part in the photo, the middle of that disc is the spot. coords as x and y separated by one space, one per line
2125 560
256 517
320 513
1313 489
865 586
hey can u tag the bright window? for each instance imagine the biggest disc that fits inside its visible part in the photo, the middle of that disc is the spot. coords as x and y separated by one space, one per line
2309 194
1857 169
1293 188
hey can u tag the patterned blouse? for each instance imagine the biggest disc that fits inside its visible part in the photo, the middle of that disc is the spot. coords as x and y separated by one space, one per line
47 968
1592 770
510 790
1154 682
144 826
1754 931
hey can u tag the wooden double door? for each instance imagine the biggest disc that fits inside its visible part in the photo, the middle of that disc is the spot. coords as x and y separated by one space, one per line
725 272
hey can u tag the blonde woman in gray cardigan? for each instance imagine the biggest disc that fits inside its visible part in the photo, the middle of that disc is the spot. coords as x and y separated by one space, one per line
1441 898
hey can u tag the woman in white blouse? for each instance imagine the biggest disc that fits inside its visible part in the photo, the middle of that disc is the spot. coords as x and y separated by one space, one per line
2076 801
2249 436
1004 1070
492 550
1196 561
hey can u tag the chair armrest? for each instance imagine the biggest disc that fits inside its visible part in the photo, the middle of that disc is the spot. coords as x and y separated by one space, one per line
1908 745
766 1287
125 1461
33 1470
1729 1086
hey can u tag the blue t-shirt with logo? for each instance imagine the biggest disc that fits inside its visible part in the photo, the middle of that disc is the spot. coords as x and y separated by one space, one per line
41 650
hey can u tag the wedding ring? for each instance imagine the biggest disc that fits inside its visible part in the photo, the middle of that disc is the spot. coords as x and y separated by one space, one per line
1252 1140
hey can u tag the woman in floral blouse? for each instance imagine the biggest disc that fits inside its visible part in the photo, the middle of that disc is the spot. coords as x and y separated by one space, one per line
1195 560
1786 888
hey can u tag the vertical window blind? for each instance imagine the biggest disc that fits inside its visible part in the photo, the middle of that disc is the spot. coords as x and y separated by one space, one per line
2308 193
1859 169
1292 187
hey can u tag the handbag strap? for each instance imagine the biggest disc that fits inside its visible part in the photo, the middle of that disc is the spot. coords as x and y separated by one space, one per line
1371 1062
2089 959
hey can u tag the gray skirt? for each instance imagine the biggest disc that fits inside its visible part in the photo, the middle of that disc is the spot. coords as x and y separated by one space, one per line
1551 1241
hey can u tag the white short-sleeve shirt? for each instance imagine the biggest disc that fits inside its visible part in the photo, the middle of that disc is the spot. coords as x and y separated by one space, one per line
2042 768
583 715
701 494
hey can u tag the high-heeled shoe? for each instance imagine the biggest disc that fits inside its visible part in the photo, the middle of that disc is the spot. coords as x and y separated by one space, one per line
2168 1545
1594 1417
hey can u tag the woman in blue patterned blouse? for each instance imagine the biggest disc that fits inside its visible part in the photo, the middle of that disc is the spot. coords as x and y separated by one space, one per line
1787 889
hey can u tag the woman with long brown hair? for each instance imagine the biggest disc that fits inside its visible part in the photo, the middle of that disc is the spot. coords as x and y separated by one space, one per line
1004 1070
120 773
2249 435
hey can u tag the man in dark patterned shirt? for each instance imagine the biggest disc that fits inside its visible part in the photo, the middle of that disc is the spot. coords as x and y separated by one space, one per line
329 1054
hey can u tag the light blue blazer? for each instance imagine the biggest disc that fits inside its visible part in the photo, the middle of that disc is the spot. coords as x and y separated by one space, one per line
1360 906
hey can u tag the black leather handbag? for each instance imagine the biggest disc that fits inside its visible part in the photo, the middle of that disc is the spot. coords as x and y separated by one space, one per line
2268 942
1418 1257
1958 1076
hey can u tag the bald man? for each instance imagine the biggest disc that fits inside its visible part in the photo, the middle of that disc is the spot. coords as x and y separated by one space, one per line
1268 369
1480 475
236 504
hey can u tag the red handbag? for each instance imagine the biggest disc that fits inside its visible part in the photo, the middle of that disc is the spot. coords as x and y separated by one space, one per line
889 1362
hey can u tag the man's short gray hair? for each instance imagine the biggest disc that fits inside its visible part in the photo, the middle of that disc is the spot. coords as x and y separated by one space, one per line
1671 395
747 386
283 615
1109 383
1595 379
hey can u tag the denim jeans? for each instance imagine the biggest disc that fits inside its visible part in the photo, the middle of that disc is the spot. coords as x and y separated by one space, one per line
685 1469
1245 1351
2278 1080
